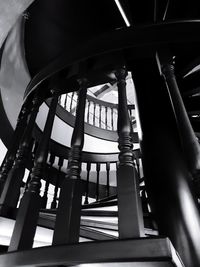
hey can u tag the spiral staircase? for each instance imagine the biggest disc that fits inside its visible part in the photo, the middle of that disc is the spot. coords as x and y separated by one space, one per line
100 117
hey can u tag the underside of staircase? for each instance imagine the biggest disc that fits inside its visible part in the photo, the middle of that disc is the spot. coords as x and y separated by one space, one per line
100 116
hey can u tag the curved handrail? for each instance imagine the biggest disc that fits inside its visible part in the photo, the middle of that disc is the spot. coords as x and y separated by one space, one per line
62 151
140 38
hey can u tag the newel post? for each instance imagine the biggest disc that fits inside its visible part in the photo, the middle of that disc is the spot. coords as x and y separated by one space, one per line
67 225
26 221
130 214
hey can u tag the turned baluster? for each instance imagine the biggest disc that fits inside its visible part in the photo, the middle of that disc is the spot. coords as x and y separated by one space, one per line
71 103
88 113
54 202
106 119
45 196
94 115
87 183
67 224
107 179
65 102
97 183
100 109
11 153
144 202
11 191
59 100
138 167
26 221
129 202
112 118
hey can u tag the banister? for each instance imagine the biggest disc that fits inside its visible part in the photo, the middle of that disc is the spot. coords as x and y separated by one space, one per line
139 38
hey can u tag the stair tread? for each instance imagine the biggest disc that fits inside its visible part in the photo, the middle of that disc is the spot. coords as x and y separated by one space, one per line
150 250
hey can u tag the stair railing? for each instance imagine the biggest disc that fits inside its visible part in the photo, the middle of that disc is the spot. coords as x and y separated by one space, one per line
98 113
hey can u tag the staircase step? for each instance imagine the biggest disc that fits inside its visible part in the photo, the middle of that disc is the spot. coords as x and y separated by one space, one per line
100 204
113 197
94 234
143 252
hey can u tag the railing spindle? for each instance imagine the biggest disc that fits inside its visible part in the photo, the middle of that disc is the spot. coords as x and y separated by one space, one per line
65 102
129 202
107 179
45 196
71 103
88 112
67 224
94 116
97 183
59 100
54 202
26 221
106 118
100 109
112 118
87 183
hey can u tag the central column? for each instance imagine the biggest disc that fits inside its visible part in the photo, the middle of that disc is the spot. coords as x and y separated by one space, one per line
166 172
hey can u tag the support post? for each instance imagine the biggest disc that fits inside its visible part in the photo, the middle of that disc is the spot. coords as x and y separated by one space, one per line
67 224
189 141
130 214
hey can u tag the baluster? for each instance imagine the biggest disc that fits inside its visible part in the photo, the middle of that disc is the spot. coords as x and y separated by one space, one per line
129 202
59 100
100 109
106 119
138 167
26 221
45 196
107 179
87 183
11 153
112 118
94 115
97 184
144 202
88 113
54 202
71 103
65 102
67 224
11 191
32 163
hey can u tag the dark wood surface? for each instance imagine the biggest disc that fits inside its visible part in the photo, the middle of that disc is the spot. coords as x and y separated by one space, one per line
133 250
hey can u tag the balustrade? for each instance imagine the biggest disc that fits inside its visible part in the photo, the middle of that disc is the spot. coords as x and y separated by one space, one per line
11 190
27 216
11 153
98 113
